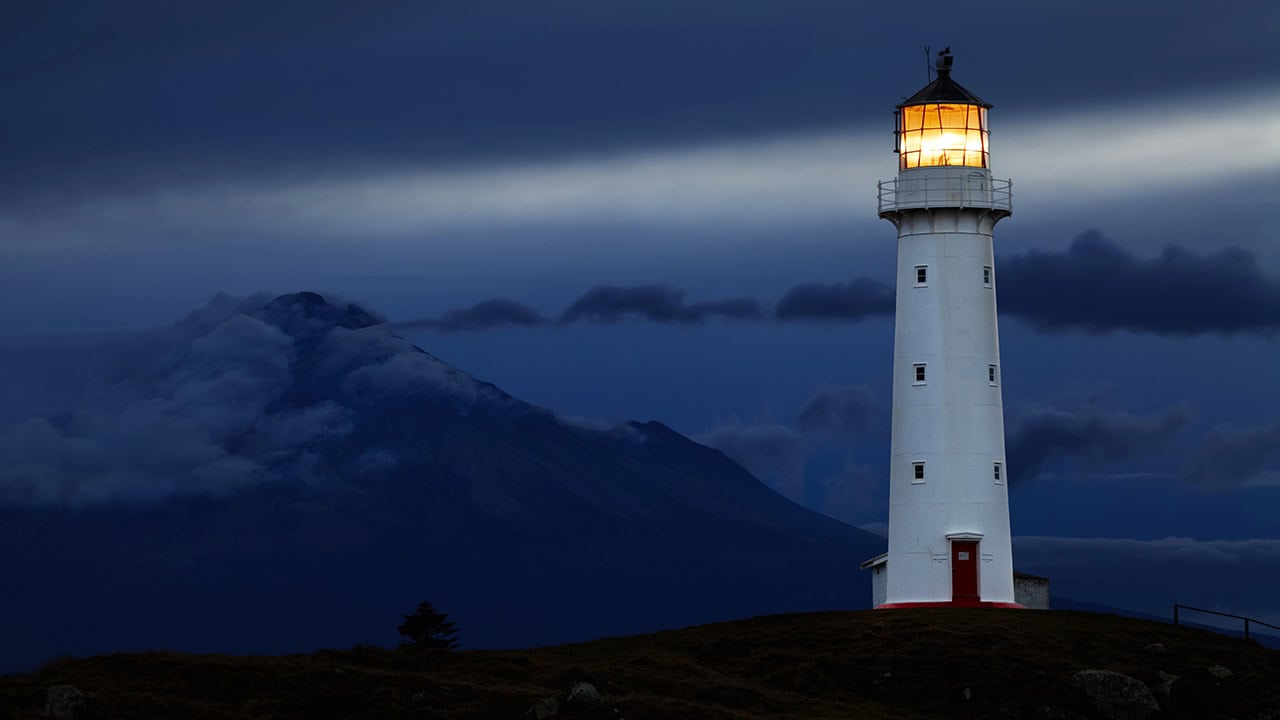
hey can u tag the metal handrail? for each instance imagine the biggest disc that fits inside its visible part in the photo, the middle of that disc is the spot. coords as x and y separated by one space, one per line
1246 620
945 192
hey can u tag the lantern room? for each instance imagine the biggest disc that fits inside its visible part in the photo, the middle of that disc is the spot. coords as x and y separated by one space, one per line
942 125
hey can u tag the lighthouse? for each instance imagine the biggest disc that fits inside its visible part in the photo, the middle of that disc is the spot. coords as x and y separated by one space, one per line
949 540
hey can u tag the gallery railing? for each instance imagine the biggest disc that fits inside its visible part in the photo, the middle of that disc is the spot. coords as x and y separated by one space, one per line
945 192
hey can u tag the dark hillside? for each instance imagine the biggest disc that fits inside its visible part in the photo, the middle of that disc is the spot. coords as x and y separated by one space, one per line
901 664
279 475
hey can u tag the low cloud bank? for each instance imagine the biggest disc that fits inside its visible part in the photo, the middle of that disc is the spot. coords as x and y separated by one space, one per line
655 303
485 315
843 301
1094 286
1239 576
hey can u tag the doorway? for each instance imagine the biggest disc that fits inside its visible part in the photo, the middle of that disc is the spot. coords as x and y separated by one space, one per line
964 570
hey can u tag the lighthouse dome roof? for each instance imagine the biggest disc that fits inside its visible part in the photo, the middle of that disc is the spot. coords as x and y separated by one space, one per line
944 90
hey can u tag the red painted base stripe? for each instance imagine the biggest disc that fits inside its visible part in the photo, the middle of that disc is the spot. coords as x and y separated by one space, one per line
951 603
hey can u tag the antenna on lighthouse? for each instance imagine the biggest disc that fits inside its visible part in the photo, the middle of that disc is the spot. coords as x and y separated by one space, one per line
928 66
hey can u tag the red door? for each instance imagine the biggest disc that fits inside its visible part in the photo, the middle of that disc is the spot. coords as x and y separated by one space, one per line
964 570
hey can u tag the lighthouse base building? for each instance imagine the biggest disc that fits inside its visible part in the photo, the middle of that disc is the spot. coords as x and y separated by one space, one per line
949 537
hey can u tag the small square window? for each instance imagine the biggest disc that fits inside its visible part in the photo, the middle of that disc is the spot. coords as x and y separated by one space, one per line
919 374
998 477
986 276
991 374
917 472
922 275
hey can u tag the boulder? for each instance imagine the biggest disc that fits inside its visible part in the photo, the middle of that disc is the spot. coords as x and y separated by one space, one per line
1166 682
1219 673
1116 696
1053 712
584 696
66 702
1155 648
544 709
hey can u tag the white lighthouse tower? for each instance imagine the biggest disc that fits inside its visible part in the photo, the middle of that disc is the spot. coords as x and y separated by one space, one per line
949 541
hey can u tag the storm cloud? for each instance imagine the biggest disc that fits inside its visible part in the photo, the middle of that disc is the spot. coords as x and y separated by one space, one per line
656 303
839 411
833 418
1097 286
1089 433
773 453
485 315
1230 457
854 300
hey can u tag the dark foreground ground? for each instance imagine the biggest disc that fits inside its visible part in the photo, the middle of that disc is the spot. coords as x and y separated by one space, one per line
887 664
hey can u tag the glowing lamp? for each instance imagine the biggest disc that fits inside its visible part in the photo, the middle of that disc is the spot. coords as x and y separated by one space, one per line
942 125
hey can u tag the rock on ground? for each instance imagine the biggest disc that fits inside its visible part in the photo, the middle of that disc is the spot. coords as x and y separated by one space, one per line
1166 682
544 709
1116 696
584 696
1053 712
66 702
1219 673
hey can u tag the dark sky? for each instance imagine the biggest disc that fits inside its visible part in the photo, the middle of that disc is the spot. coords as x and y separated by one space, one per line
666 210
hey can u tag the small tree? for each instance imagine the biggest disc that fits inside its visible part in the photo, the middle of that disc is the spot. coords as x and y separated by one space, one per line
426 628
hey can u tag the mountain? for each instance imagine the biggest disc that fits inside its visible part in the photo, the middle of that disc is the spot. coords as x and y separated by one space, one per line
280 474
921 663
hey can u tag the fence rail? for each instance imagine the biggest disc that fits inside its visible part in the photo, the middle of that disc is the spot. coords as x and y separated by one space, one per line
1246 620
945 192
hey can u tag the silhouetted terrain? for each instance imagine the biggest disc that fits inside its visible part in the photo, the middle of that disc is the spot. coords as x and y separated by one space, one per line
929 663
278 475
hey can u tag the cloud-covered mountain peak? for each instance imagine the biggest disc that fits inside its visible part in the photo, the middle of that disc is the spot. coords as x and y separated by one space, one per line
239 392
303 312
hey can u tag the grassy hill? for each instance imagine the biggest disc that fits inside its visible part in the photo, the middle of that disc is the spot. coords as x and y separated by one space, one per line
901 664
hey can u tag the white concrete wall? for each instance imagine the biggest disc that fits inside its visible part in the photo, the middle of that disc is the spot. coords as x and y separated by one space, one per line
878 575
953 422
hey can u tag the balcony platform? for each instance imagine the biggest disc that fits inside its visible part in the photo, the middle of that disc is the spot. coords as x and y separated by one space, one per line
916 190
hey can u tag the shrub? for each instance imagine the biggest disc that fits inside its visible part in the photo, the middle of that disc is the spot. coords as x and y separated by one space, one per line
426 628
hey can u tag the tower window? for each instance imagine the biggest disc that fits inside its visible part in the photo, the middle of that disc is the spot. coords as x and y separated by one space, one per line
996 471
986 276
917 472
918 370
922 275
991 375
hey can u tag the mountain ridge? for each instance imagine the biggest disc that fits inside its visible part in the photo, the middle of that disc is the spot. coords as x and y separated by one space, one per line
277 474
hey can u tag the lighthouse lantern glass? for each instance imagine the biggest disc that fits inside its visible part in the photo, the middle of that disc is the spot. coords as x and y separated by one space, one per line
936 135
